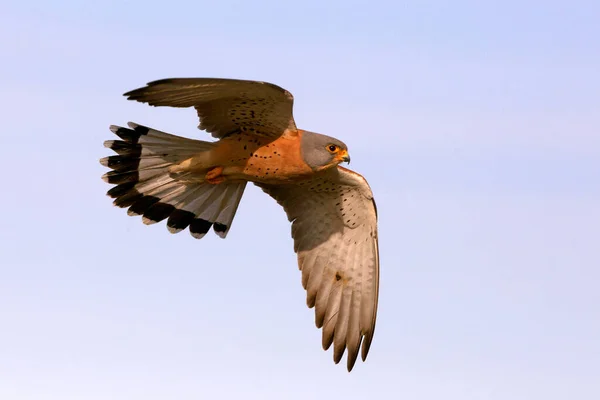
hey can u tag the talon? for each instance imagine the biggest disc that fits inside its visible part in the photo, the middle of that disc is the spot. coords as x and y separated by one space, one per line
214 176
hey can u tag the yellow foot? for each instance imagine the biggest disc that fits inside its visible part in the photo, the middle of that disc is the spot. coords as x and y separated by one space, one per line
214 176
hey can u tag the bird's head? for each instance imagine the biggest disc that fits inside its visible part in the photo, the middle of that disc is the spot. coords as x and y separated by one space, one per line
321 152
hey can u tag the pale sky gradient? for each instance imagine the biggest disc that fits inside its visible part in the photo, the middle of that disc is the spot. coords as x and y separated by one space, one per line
476 123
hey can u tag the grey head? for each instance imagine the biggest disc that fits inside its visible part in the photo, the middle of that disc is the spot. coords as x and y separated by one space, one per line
321 151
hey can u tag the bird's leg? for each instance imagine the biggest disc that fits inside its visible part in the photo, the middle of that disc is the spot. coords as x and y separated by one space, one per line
214 176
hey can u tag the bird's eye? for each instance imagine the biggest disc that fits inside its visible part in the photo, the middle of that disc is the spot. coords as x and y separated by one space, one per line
332 148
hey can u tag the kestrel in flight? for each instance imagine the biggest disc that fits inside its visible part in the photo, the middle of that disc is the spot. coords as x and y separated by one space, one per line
198 185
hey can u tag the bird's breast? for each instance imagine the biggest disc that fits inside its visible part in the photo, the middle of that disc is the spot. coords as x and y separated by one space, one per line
277 162
263 161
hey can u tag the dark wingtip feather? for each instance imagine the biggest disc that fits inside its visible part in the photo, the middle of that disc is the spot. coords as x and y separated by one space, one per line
179 220
128 199
338 353
350 364
120 163
128 135
141 205
327 340
132 94
165 81
124 166
353 354
120 190
157 212
139 94
199 227
124 148
220 229
118 177
139 130
143 88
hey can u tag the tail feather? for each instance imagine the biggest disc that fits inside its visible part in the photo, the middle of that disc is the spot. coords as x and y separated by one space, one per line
145 186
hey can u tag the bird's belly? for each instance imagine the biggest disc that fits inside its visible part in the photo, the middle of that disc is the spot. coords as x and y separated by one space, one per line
274 170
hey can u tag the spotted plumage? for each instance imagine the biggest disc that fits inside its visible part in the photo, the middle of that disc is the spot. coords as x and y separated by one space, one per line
197 185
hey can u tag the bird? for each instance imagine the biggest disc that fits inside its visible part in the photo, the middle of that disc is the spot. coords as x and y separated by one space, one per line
198 185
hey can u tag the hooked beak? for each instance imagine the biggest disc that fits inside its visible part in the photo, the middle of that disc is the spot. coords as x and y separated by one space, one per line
344 156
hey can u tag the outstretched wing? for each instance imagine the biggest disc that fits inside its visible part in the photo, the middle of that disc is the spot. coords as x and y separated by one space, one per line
334 226
225 106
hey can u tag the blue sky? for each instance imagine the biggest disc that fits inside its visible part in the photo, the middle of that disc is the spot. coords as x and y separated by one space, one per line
477 125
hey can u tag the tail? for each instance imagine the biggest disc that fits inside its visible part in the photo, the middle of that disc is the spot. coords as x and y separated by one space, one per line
143 182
